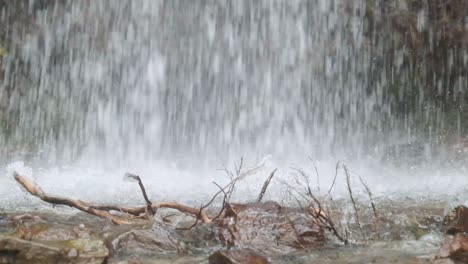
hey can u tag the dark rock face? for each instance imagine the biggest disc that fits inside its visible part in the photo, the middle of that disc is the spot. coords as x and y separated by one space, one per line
268 227
236 257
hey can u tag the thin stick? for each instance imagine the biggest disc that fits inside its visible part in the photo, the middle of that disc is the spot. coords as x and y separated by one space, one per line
224 203
350 191
336 175
319 216
194 224
238 169
239 175
265 186
317 174
305 177
374 209
143 191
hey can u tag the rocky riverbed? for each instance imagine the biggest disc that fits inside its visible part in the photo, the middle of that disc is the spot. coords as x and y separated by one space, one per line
410 231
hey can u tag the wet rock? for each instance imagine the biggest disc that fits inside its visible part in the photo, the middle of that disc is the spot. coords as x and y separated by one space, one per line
455 247
41 228
17 250
236 257
25 217
159 238
44 231
202 236
457 220
443 261
269 227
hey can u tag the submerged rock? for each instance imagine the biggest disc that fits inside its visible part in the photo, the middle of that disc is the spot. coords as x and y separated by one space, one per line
237 257
49 239
17 250
159 238
269 227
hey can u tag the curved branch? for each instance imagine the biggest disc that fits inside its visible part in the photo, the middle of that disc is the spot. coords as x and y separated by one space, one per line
102 210
35 190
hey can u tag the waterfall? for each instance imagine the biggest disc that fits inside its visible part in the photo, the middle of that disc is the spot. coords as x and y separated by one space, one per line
203 83
163 79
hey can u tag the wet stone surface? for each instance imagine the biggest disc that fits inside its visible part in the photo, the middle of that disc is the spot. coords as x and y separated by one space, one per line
269 228
248 233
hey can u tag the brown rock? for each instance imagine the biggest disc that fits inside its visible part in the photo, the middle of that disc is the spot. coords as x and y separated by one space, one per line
455 247
457 220
269 227
236 257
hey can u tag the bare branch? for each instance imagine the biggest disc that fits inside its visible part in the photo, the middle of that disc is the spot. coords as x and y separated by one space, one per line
316 174
239 176
319 215
374 208
103 210
35 190
194 224
143 191
239 169
224 202
306 179
336 175
265 186
350 191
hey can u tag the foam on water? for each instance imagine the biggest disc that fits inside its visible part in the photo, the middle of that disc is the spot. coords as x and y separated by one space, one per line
163 183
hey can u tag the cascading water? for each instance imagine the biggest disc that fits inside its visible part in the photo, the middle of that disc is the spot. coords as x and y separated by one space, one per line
182 87
157 79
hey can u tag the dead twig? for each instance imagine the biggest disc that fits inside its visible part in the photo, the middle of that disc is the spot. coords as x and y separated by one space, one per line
334 178
355 207
194 224
103 210
374 208
319 215
224 205
35 190
305 177
316 174
227 194
239 168
238 176
265 186
143 191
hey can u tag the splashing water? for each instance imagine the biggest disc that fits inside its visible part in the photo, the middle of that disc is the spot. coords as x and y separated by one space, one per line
173 90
